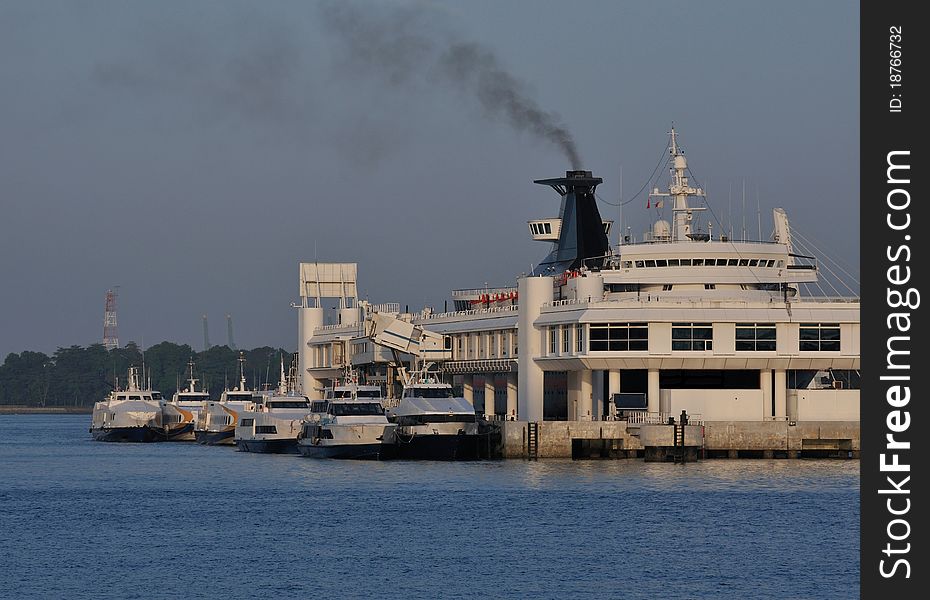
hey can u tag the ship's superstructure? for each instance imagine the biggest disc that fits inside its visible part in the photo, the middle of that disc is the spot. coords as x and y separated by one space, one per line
685 318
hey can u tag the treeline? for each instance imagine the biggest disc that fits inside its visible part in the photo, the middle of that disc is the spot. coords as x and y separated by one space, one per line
79 376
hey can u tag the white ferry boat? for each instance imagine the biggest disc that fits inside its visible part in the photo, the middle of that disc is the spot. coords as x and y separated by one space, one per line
432 423
130 415
183 410
274 423
348 423
216 423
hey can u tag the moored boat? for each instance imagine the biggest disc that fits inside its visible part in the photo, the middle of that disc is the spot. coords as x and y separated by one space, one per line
183 410
130 415
273 424
348 423
216 422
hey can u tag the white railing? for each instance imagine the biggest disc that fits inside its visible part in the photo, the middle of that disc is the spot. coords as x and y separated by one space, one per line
481 291
465 313
652 418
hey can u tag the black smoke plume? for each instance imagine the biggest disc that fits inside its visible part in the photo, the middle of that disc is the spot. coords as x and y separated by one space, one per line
399 45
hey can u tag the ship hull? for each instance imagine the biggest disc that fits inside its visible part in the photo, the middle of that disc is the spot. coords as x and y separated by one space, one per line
435 447
215 438
288 446
143 434
343 451
182 434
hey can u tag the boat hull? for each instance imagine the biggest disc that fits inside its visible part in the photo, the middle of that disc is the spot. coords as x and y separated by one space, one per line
144 434
343 451
281 446
215 438
435 447
185 433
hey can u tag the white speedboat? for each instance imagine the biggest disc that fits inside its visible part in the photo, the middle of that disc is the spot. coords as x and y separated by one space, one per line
130 415
349 423
183 411
273 424
432 423
216 423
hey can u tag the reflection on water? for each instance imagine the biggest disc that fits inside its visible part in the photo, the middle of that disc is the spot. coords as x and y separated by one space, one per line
185 516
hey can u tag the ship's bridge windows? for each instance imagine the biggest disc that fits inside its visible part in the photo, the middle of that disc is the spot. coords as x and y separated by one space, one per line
619 337
667 287
819 337
744 262
246 422
661 262
566 340
547 227
156 395
753 262
419 392
673 262
686 262
710 286
697 262
650 263
288 404
692 336
355 409
135 397
755 337
266 429
319 407
732 262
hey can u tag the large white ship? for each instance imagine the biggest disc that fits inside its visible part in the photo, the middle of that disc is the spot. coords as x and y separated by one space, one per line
686 318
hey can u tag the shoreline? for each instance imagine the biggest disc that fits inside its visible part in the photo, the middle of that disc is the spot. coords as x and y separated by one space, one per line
21 409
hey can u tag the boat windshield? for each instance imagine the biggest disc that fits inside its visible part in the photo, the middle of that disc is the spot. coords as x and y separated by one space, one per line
369 393
156 395
345 409
287 404
239 397
425 392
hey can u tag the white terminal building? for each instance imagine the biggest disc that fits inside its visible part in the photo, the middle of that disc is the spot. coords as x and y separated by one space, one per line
685 318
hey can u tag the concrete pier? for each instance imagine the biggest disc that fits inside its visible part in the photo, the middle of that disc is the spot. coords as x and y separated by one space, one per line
717 439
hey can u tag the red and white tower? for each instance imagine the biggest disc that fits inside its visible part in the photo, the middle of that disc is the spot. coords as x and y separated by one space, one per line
110 336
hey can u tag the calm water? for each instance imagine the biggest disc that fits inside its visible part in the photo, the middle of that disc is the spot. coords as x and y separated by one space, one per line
83 519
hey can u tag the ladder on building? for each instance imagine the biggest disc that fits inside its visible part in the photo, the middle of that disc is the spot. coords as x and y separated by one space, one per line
532 440
679 450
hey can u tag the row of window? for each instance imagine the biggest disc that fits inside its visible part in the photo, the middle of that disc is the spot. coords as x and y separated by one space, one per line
488 344
692 337
540 228
702 262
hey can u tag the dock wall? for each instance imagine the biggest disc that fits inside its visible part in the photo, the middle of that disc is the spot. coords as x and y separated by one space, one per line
733 439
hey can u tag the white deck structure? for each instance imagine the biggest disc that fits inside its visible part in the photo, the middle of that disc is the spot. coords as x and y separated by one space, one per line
684 319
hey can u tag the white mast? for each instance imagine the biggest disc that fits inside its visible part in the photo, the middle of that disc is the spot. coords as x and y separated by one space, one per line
679 189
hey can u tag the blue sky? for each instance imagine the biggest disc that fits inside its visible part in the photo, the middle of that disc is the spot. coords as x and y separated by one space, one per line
194 152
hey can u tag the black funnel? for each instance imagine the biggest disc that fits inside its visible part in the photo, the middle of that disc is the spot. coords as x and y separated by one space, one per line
582 240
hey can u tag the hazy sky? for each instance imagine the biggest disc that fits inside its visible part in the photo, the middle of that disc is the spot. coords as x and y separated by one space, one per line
194 152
